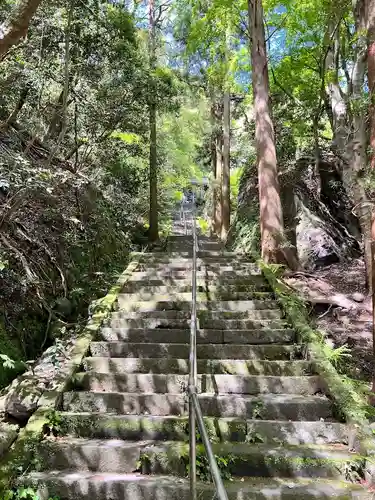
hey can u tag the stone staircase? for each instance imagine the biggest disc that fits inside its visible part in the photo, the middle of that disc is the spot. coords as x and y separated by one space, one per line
124 423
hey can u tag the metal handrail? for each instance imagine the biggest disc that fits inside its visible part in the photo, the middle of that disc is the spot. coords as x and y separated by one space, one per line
195 411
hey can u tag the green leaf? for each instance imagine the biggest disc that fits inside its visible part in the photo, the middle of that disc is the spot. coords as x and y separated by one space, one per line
7 361
126 137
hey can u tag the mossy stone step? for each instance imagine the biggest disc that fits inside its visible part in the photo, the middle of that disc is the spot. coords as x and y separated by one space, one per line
263 406
256 283
203 294
208 336
152 457
219 384
207 254
184 322
182 310
69 485
182 301
147 290
174 428
205 351
257 460
181 365
207 274
202 265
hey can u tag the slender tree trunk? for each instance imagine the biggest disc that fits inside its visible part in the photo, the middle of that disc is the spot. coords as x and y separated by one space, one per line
370 21
16 26
21 101
56 118
225 192
213 166
348 123
271 216
358 162
64 118
153 215
338 109
371 74
218 184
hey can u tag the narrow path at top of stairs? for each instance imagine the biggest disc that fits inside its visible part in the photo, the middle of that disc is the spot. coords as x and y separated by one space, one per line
125 426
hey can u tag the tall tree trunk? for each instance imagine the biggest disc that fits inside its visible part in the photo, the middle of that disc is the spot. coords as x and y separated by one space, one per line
358 150
64 117
153 215
338 110
348 121
271 216
225 191
16 26
213 165
370 14
218 183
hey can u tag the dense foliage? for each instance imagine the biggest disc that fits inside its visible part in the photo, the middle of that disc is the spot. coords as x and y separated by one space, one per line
74 162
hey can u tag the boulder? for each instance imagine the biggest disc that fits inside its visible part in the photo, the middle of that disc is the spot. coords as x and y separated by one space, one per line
317 212
358 297
326 230
22 397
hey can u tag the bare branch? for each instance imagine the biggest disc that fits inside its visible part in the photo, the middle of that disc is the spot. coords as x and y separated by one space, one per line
31 276
277 28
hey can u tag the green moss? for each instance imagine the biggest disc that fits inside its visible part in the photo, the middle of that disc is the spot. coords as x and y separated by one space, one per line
251 460
23 454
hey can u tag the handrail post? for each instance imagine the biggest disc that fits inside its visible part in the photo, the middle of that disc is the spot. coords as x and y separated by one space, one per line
193 369
195 412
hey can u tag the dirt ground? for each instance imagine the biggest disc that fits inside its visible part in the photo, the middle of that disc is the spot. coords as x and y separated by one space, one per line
341 307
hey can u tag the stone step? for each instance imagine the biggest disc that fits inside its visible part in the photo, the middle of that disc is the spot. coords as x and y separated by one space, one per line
181 366
202 269
250 283
95 455
184 243
175 274
218 384
182 310
68 485
256 460
202 264
264 406
243 459
206 254
241 324
184 322
147 291
173 428
182 301
164 335
205 351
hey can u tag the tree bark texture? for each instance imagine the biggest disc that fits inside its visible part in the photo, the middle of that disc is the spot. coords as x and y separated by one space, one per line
348 122
218 222
359 140
153 215
20 103
213 166
370 14
16 26
271 216
225 192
